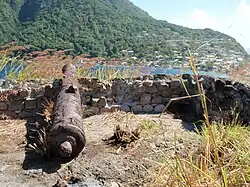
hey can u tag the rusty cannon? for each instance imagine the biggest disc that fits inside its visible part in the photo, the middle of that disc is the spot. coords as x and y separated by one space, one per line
66 138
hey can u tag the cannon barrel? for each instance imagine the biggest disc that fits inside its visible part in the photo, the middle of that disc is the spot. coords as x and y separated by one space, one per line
66 138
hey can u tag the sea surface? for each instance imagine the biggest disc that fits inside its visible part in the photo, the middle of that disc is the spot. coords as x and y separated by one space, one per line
143 70
158 70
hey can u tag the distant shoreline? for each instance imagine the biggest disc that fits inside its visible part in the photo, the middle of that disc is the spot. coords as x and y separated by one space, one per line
161 70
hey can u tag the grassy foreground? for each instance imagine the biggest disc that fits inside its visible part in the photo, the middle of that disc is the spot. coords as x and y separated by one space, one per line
223 158
199 168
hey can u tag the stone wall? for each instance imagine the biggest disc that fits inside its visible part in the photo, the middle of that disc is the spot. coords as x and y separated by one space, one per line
148 94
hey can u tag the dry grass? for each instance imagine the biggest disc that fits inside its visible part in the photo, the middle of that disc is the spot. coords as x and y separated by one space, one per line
48 107
121 118
39 144
129 128
123 136
13 135
222 159
233 143
125 126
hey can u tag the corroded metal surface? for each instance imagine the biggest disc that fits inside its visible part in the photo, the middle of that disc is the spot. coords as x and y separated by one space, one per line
66 138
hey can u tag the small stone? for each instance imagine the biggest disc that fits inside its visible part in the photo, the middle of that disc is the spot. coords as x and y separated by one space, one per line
23 94
105 110
165 100
148 77
102 102
30 104
36 93
94 110
174 84
119 99
132 103
167 92
125 108
137 109
156 99
123 86
7 84
186 76
84 100
115 108
32 171
148 83
140 89
163 86
159 108
230 90
148 109
87 183
110 101
219 84
11 114
175 95
39 102
13 96
228 82
27 114
3 106
16 106
57 83
160 76
159 83
237 96
152 89
94 102
221 96
137 83
145 99
238 103
49 91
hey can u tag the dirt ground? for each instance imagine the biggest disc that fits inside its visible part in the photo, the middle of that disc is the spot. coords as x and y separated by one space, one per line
101 163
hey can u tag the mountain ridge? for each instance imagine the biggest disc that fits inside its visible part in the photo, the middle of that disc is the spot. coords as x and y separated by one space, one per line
97 27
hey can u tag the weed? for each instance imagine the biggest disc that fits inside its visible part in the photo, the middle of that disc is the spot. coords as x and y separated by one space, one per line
123 136
222 158
149 127
106 73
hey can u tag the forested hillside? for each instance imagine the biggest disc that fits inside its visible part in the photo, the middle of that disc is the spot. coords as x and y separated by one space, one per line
97 27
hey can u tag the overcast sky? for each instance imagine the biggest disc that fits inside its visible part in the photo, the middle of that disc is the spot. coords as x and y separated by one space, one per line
228 16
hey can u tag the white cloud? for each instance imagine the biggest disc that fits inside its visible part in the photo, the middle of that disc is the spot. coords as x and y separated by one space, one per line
198 19
201 19
241 27
237 24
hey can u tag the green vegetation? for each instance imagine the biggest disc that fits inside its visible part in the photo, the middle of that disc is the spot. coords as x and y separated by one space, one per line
16 69
13 68
221 159
107 74
199 168
97 27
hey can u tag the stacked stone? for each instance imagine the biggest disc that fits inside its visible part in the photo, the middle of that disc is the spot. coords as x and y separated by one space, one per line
23 102
148 94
